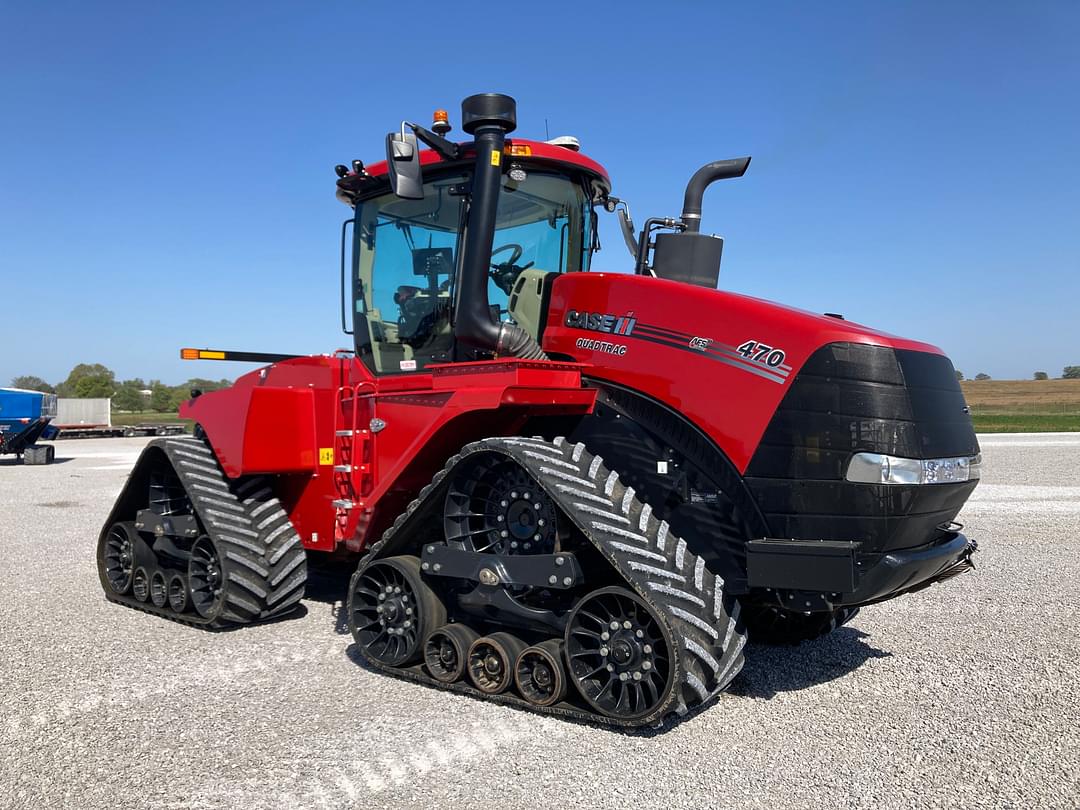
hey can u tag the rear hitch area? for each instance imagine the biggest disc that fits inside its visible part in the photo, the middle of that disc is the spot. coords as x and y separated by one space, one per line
822 575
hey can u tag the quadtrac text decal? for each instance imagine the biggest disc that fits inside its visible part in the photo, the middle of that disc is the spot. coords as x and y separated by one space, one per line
754 356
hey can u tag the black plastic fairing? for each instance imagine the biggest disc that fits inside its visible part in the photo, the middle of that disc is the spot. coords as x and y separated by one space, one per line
851 398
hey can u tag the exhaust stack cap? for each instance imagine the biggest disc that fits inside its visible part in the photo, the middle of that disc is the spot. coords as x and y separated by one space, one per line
487 110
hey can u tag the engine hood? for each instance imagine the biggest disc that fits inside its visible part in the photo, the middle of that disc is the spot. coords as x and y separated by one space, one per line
723 360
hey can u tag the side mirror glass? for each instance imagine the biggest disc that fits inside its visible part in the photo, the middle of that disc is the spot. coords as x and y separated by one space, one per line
627 226
403 165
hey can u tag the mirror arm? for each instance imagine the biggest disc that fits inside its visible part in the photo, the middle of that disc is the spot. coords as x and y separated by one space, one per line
448 149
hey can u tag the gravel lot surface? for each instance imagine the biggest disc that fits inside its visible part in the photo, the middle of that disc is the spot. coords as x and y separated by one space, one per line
965 695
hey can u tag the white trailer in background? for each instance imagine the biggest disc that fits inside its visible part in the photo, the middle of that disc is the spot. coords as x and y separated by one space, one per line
83 413
92 418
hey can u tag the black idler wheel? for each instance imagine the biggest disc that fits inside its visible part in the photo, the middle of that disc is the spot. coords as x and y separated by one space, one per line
491 661
119 556
178 593
140 584
159 590
446 651
392 610
619 654
539 673
207 578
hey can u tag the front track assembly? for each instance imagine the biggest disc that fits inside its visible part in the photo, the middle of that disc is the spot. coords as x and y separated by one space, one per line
189 544
607 617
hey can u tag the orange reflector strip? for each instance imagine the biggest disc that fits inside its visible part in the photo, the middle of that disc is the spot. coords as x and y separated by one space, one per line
518 149
201 354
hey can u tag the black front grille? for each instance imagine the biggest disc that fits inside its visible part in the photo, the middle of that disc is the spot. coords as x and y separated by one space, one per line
851 398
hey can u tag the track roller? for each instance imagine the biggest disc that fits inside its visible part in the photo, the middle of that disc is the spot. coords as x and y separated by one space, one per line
159 590
619 654
118 553
392 610
491 661
178 593
446 651
539 673
140 584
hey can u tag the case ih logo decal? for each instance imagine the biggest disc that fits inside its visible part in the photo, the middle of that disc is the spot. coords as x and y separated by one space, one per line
757 358
601 322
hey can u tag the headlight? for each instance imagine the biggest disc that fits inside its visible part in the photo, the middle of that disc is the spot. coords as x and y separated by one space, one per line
875 468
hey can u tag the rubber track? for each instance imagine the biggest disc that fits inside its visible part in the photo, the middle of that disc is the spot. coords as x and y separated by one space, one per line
264 561
704 622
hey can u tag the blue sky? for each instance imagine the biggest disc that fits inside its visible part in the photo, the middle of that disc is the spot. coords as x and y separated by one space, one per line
166 169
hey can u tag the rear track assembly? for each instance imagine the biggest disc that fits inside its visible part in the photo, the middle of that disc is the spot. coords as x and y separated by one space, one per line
186 543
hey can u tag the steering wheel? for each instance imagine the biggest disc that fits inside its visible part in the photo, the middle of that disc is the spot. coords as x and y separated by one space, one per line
513 258
504 274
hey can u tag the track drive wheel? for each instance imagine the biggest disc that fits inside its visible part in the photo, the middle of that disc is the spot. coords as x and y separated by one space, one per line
769 624
540 675
620 654
491 661
392 610
446 651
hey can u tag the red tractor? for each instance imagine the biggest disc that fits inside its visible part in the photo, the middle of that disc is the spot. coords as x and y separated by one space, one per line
569 490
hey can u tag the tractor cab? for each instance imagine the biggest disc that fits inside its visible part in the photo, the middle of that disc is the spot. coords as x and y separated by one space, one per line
409 249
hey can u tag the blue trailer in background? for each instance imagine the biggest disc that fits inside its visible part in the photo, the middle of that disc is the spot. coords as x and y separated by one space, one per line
24 419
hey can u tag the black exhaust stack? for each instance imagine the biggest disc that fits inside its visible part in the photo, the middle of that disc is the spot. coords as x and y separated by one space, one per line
702 179
689 256
489 118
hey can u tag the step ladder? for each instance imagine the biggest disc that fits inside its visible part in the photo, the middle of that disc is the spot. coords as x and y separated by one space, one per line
354 457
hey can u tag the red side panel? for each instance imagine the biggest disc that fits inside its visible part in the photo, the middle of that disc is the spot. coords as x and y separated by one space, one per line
282 420
256 429
723 360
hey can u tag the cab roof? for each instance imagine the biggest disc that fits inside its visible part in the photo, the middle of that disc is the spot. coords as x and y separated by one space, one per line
353 186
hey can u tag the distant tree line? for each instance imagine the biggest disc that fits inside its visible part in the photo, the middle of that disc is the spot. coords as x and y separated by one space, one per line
93 380
1068 373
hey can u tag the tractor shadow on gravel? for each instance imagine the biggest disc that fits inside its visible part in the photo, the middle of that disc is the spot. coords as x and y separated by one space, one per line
330 586
771 670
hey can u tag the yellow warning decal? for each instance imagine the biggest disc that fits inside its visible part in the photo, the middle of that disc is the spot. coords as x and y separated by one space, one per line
496 156
326 456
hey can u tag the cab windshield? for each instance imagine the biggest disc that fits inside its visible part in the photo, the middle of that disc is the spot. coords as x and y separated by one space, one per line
407 252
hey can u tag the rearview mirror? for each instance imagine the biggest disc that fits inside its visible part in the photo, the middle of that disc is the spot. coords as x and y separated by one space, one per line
403 165
627 226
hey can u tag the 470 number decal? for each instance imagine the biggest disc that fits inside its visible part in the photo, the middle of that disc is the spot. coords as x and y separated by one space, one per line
761 353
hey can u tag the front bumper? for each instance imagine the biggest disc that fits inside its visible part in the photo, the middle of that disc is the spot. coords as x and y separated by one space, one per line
817 575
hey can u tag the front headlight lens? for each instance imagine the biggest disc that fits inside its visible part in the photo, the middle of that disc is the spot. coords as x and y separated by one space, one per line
877 468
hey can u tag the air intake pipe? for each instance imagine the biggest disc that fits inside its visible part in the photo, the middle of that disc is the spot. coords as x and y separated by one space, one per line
702 179
489 118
